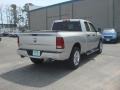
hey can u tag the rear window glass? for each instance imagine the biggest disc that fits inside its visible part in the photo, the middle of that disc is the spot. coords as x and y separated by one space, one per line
67 26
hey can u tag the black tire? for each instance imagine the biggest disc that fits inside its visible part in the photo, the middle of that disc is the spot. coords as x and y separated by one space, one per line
71 62
100 47
37 61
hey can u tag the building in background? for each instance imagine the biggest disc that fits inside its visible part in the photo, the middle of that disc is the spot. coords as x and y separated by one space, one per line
103 13
33 7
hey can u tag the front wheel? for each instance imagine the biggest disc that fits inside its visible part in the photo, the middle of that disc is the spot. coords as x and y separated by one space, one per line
37 61
75 57
100 47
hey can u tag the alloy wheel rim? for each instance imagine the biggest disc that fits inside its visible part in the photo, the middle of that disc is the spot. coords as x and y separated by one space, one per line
76 58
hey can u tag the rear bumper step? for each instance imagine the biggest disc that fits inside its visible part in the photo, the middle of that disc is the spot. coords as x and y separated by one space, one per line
30 50
44 54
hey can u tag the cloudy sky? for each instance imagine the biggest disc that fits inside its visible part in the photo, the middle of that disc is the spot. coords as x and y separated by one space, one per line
36 2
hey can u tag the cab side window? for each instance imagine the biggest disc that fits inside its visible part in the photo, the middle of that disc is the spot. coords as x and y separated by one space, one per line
87 27
92 28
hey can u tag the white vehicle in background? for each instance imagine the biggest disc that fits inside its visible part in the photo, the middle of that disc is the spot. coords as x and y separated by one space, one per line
13 34
67 40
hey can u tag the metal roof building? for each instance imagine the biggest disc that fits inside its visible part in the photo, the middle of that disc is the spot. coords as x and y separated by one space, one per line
103 13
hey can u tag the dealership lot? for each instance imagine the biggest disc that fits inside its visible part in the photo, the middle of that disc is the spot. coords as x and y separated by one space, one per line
96 72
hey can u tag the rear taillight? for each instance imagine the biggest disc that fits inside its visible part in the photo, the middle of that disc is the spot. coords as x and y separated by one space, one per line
18 41
60 43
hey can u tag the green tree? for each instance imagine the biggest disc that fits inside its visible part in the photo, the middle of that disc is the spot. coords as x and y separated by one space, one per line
26 9
1 16
14 13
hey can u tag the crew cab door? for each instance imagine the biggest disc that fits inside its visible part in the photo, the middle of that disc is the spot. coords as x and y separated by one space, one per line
94 36
89 37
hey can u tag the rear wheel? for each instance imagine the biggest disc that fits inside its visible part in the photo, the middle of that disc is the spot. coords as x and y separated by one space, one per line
75 57
37 61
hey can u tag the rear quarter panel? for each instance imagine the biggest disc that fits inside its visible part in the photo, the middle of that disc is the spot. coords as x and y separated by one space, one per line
70 38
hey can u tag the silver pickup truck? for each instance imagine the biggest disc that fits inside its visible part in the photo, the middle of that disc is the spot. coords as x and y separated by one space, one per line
67 40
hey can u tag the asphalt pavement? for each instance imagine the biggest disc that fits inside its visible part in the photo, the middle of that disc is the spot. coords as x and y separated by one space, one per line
96 72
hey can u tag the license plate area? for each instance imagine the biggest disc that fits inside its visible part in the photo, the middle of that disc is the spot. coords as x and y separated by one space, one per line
36 53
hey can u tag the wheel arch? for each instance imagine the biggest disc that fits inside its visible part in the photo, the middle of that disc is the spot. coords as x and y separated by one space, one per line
77 44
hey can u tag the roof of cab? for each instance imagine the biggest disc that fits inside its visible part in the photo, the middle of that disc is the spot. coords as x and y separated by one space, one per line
70 20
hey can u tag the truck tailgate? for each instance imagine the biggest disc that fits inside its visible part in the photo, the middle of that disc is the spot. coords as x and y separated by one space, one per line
38 41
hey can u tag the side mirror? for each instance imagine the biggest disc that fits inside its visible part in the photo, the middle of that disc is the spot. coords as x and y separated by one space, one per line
99 30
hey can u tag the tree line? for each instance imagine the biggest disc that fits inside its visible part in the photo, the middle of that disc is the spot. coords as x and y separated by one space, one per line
18 16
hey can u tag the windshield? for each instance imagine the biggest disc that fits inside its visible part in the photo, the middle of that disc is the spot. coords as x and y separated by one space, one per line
67 26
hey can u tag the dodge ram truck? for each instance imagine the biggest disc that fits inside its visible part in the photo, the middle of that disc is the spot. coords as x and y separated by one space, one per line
67 40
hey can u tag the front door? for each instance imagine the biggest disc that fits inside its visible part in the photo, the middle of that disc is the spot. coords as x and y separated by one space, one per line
89 37
94 37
